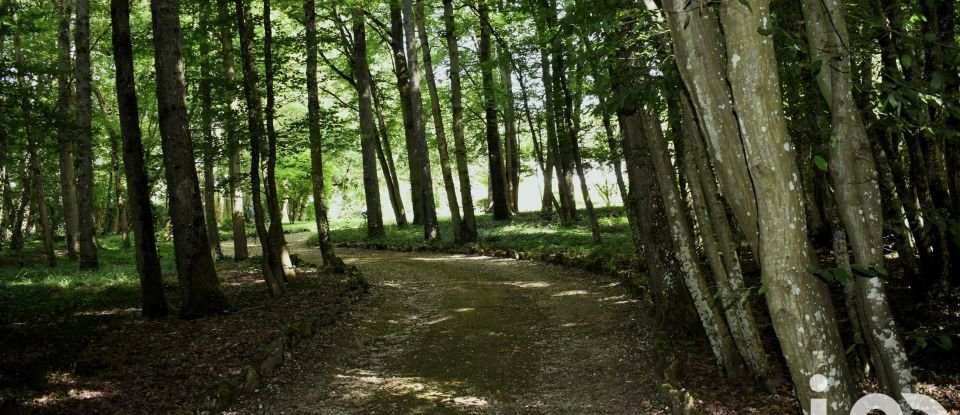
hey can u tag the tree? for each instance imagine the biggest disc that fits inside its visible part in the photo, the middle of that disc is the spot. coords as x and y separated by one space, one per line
456 105
68 179
271 264
84 160
234 170
154 301
209 143
498 185
199 286
361 70
330 259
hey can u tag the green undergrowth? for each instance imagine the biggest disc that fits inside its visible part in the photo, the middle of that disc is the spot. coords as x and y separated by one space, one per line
527 235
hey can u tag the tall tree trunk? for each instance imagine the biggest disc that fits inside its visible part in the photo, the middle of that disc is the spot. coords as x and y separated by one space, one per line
200 288
572 113
469 233
551 144
857 192
84 160
20 215
498 186
330 259
65 134
153 298
439 130
272 267
279 242
511 157
385 155
231 130
563 122
402 71
209 142
367 126
431 228
36 171
802 315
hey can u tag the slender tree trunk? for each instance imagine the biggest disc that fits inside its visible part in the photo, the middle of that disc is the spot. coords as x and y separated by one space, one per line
572 113
154 301
439 130
65 134
84 160
551 144
209 142
20 215
431 228
272 266
857 192
330 259
469 233
33 154
279 243
385 155
402 71
231 131
200 288
367 126
501 210
511 157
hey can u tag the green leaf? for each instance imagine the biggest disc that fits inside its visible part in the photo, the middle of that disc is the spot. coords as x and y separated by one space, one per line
815 67
769 31
936 80
747 4
841 275
945 342
851 349
906 61
762 290
821 163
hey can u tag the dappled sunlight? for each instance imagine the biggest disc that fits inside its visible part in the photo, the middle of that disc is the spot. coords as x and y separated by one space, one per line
451 258
465 310
571 325
111 312
571 293
67 388
363 385
523 284
438 320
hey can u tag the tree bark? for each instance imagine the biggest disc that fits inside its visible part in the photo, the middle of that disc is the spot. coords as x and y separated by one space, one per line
209 142
330 259
439 129
511 157
153 298
367 126
234 168
498 186
857 192
469 233
402 71
272 266
431 228
572 114
279 242
84 160
200 288
65 134
385 155
551 144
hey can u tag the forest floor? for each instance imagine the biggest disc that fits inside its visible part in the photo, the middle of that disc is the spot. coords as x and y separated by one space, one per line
459 334
73 342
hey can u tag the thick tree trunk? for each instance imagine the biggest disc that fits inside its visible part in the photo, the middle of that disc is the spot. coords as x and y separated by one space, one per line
469 233
279 242
84 160
802 315
551 144
368 130
330 259
402 71
33 153
439 130
498 186
857 192
209 142
231 131
154 301
272 266
65 135
200 288
431 229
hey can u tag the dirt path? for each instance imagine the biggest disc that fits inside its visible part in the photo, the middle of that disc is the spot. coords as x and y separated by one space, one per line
450 334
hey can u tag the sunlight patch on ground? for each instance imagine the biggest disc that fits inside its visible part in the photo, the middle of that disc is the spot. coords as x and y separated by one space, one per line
451 258
439 320
465 310
570 325
522 284
571 293
363 385
112 312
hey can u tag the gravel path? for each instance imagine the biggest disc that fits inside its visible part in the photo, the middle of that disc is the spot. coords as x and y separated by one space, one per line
451 334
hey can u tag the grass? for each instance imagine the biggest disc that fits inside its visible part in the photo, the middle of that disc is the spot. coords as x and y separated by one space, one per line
527 233
36 291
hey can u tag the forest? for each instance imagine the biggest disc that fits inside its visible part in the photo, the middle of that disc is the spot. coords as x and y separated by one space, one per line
479 206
